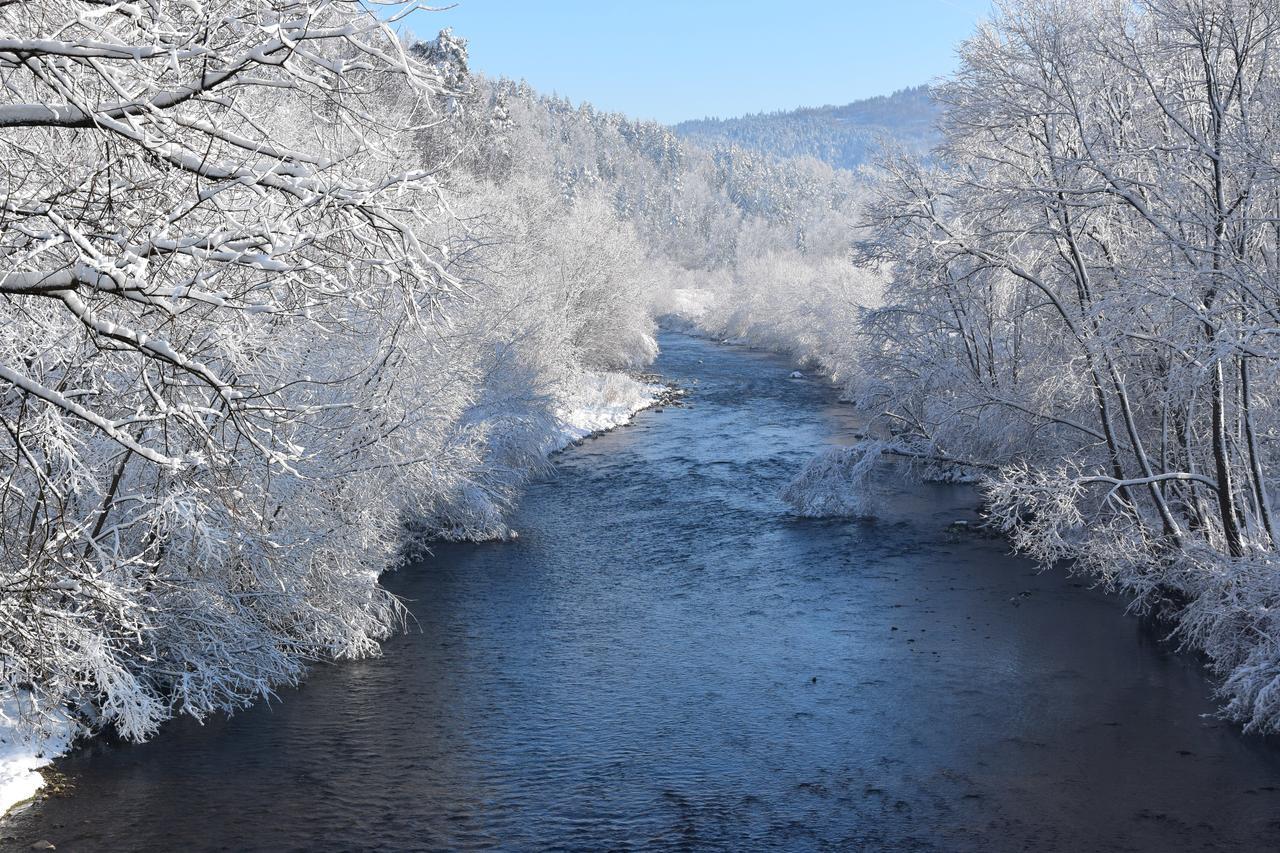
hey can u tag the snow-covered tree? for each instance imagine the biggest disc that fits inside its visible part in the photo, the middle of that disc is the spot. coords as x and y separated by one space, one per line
278 295
211 263
1085 294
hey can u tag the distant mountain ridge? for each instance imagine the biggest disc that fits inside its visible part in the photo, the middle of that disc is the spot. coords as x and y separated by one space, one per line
844 136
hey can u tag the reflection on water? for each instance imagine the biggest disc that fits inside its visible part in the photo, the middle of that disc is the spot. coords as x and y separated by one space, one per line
665 659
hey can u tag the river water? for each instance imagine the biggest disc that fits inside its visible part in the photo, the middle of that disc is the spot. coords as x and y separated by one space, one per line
665 659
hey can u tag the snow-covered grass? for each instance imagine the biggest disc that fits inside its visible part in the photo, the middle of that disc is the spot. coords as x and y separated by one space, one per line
23 752
601 402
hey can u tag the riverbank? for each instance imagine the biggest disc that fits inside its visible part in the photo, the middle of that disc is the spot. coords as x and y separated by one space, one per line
24 753
601 402
598 403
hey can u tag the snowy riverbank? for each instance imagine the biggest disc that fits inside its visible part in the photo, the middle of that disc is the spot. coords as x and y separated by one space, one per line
598 403
601 402
23 754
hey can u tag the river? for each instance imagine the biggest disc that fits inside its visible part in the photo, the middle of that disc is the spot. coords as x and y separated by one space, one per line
665 659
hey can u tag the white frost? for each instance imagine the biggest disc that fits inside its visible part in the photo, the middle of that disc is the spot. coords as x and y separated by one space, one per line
833 483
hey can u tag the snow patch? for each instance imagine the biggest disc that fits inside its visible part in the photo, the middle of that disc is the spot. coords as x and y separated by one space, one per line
24 752
600 402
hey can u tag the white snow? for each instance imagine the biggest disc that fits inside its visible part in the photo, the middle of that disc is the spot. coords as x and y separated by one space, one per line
22 754
601 402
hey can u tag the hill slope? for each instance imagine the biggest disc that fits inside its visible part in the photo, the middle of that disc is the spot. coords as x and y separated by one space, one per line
843 136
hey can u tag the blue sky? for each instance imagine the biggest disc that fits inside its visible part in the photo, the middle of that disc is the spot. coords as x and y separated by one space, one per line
671 59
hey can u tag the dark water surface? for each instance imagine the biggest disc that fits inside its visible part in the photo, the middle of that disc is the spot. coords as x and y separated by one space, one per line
666 660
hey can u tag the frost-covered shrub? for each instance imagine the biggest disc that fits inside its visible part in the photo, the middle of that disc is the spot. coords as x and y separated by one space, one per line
808 306
835 482
1232 614
555 295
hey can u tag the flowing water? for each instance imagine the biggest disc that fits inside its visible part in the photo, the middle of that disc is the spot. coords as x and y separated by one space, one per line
665 659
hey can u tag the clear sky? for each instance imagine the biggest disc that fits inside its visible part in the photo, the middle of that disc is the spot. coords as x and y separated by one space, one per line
677 59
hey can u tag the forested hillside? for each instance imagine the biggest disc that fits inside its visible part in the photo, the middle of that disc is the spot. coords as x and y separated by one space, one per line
847 137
